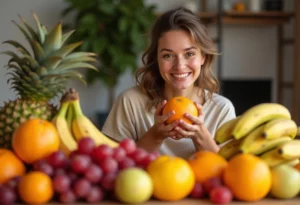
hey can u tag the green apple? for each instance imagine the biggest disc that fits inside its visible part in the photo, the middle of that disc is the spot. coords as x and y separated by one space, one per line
285 182
133 185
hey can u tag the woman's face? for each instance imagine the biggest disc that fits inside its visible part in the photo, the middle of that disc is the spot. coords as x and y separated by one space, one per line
179 59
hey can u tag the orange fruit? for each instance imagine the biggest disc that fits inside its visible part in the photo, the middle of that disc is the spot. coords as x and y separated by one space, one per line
206 165
35 188
10 166
180 105
248 177
35 139
172 177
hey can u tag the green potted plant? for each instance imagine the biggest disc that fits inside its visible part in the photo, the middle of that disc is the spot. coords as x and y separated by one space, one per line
115 30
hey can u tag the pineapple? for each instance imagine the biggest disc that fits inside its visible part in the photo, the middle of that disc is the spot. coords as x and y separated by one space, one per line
39 76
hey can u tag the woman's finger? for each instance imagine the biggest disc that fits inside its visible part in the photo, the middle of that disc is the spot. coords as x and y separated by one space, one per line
182 132
160 108
196 120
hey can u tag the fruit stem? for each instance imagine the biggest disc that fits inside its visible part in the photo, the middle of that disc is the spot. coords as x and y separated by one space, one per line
70 95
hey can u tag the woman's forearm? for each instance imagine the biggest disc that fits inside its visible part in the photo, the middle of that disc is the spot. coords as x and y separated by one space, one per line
149 142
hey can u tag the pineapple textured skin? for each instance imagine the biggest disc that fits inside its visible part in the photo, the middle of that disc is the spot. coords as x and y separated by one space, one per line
13 113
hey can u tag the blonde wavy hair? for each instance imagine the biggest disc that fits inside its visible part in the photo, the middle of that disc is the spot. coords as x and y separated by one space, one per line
148 77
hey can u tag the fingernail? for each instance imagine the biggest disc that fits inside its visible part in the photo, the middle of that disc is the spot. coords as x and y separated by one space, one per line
187 114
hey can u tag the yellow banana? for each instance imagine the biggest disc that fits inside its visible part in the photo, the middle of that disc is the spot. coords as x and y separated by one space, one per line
290 150
261 145
272 158
280 127
224 133
230 149
67 142
83 127
257 115
250 138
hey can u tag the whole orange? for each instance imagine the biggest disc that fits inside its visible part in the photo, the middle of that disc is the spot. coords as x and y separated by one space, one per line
35 188
248 176
206 165
35 139
172 177
180 105
10 166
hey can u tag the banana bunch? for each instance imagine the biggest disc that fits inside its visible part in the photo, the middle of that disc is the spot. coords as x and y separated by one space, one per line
265 130
72 125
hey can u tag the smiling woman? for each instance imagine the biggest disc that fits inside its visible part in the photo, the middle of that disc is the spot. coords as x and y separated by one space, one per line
177 63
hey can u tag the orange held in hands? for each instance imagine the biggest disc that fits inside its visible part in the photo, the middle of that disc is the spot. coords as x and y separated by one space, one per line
206 165
172 177
248 177
180 105
35 139
35 188
10 166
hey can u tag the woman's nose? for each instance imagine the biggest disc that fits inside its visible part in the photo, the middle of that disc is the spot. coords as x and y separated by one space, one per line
180 63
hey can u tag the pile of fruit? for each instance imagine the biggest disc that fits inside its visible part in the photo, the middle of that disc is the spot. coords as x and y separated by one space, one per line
97 168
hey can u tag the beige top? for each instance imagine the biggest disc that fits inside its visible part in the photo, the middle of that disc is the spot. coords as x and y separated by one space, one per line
129 118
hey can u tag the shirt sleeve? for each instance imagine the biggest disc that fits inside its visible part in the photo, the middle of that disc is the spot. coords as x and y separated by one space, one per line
120 121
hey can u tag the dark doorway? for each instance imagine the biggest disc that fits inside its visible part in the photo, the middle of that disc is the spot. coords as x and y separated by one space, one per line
246 93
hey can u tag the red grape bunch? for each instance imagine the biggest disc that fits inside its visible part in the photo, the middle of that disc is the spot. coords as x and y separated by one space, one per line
88 173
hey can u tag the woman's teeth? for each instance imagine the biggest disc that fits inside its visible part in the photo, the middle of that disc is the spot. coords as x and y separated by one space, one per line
180 75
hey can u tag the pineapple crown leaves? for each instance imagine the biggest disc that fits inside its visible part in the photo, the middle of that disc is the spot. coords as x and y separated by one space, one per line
51 63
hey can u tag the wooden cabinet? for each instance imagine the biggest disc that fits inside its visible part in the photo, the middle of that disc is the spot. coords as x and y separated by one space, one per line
264 18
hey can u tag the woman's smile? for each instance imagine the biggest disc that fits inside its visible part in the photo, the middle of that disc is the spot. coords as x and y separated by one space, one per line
180 75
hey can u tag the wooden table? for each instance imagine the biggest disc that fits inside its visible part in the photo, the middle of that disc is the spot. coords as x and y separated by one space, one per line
267 201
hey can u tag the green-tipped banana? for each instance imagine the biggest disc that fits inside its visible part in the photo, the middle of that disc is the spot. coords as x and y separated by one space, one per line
224 133
290 150
83 127
280 127
230 149
272 158
70 117
258 115
67 142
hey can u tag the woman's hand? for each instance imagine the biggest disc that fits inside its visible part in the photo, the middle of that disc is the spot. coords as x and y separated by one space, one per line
196 131
161 129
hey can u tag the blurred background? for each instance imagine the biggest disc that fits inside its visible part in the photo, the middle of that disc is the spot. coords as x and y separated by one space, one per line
258 41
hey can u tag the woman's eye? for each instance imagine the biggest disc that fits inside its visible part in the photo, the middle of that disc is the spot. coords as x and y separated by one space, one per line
166 56
190 54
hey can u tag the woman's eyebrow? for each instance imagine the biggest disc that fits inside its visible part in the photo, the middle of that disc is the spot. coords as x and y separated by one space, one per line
169 50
